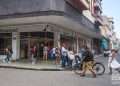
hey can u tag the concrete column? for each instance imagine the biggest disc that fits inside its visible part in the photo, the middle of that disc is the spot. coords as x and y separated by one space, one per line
15 45
56 39
89 43
77 42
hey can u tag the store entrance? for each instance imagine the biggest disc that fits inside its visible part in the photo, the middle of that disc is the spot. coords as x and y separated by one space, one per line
39 39
5 42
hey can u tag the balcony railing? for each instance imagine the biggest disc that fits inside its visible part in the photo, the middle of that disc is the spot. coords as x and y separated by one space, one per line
84 21
98 5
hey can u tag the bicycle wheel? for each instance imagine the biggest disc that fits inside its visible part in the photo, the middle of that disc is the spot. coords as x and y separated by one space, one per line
99 68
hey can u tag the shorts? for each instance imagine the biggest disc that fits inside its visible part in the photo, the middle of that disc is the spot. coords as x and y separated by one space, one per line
45 52
88 65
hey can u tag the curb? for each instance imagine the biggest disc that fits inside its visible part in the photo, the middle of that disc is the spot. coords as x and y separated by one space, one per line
35 69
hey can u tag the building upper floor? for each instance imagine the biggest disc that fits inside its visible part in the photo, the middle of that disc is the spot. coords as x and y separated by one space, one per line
24 8
107 29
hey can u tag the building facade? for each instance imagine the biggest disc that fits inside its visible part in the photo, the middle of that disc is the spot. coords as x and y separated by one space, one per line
109 39
94 14
24 23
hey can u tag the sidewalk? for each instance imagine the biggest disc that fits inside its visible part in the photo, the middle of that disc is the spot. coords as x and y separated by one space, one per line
42 66
29 66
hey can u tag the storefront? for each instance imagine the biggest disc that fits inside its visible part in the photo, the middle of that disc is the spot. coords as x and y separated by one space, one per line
38 30
5 42
104 43
25 36
68 39
28 39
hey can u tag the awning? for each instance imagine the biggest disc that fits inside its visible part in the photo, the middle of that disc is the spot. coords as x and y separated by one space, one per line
62 21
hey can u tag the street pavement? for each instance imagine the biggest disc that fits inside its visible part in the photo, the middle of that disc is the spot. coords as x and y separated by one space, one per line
17 77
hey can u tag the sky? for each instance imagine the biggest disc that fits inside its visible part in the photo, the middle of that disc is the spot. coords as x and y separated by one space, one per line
112 8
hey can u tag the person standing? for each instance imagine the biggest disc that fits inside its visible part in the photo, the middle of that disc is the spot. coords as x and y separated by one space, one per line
57 55
112 61
33 54
64 56
53 52
71 57
45 53
8 55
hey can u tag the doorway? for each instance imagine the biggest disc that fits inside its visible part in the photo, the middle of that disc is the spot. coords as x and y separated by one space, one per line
28 39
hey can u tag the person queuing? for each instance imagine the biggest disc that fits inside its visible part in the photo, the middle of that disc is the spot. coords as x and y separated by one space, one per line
57 55
64 56
71 57
33 54
9 53
45 53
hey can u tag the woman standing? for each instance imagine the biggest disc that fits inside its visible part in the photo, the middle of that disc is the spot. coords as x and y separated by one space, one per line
57 55
45 53
71 57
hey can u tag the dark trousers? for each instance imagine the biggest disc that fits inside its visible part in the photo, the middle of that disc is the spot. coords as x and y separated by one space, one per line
70 63
7 59
64 60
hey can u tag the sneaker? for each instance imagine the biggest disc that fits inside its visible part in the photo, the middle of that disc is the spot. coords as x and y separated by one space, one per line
110 73
82 75
94 76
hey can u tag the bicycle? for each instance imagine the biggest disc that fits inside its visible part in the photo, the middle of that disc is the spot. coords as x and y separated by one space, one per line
98 67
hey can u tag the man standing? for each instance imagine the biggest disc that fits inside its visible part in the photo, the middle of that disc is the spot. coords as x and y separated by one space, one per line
8 54
114 62
88 62
64 57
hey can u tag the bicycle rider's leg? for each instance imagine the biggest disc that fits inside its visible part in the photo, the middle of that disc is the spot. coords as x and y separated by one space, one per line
84 69
110 70
93 73
90 65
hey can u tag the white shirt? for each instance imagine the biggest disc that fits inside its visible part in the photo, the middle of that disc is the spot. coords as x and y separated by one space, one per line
115 63
53 50
45 49
64 51
71 55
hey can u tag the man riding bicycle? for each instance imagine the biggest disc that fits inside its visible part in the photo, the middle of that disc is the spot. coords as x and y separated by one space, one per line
88 62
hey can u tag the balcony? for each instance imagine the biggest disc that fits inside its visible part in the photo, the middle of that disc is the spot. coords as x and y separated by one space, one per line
79 4
84 22
98 6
